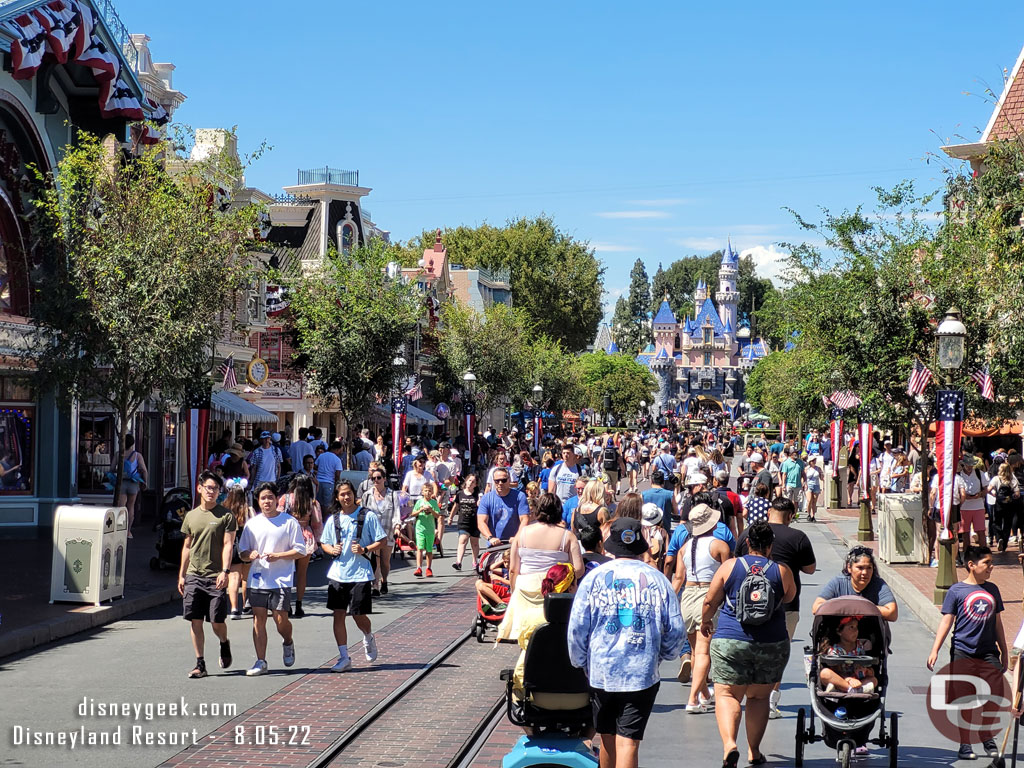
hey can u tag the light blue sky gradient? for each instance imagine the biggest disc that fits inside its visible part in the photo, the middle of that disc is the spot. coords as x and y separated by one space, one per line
653 130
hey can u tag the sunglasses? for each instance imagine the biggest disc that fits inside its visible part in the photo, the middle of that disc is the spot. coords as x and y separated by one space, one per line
501 479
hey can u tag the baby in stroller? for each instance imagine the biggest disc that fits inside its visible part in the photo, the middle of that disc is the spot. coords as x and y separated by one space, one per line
493 587
854 675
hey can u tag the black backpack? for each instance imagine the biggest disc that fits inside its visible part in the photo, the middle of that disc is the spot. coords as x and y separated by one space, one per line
1004 493
611 459
360 522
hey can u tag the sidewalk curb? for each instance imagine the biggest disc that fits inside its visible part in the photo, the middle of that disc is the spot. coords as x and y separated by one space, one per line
918 603
33 636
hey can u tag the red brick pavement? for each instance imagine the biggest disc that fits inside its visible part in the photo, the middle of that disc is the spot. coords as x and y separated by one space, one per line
498 744
330 704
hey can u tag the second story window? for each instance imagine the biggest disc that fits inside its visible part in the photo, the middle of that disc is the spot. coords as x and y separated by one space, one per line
707 335
270 349
707 359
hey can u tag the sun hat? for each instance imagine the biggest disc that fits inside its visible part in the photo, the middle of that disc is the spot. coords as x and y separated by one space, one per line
703 518
652 514
625 539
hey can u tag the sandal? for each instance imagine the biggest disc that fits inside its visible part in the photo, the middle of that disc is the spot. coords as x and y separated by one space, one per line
732 759
759 760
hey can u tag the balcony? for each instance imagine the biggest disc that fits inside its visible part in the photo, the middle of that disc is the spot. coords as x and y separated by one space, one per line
327 175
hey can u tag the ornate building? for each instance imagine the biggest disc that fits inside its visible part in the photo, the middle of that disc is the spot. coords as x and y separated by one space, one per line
701 361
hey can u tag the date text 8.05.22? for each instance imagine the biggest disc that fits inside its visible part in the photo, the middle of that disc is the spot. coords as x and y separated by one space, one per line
260 735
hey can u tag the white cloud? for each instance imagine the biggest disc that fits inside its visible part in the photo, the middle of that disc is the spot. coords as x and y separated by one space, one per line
612 248
769 261
699 243
663 201
634 214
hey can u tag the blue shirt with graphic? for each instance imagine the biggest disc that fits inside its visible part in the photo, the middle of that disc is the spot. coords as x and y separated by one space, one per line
348 568
975 608
624 621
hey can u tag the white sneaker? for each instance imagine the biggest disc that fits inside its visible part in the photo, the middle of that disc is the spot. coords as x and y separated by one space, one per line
259 668
289 653
867 688
370 647
343 665
696 709
774 713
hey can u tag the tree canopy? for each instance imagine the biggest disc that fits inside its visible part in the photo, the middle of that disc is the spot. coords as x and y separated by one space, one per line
556 280
620 376
631 322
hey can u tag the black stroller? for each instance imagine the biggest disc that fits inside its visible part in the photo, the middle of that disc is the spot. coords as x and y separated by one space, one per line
175 503
847 718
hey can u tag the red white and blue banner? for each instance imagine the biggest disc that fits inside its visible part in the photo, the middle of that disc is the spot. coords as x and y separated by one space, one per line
949 410
864 438
197 429
398 411
469 414
538 426
836 437
782 432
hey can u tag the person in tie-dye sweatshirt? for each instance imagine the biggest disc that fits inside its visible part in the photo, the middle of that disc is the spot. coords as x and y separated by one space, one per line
625 620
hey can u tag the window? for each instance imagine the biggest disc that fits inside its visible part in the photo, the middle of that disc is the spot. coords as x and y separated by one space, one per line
348 237
707 337
270 349
16 450
95 452
707 359
170 449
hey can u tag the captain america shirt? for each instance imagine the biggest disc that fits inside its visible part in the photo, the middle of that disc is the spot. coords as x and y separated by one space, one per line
975 608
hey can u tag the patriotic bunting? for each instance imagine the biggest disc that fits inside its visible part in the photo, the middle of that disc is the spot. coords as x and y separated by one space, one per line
197 427
836 435
983 379
864 428
28 47
949 409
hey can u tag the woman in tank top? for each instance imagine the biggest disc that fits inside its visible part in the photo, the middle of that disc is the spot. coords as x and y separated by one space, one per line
538 546
699 558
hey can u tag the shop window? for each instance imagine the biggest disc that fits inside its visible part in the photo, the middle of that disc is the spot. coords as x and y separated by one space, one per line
95 452
170 449
16 449
270 349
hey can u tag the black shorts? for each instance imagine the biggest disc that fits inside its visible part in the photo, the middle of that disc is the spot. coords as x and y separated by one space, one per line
469 525
202 599
625 713
352 597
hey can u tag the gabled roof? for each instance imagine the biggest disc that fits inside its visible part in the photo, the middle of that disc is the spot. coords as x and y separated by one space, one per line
1007 121
665 315
708 315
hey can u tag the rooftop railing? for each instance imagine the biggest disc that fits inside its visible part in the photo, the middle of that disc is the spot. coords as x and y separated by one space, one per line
327 175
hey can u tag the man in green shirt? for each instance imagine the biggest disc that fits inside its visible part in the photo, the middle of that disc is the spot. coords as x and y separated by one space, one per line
791 473
209 531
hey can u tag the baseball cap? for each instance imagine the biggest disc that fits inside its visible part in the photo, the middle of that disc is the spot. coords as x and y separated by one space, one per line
652 514
697 478
626 538
757 458
264 434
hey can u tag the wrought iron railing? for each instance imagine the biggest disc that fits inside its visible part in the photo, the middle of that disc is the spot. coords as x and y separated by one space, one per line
118 31
327 175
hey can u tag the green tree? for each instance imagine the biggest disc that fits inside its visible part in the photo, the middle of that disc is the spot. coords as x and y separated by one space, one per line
625 380
137 265
632 327
350 322
556 280
787 386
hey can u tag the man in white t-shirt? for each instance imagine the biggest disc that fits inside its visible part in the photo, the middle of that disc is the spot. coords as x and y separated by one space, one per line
450 460
562 480
886 461
691 462
271 542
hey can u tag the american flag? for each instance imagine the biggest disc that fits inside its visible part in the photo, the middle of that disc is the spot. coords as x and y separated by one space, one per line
919 378
398 406
228 369
825 401
949 407
845 399
415 392
984 380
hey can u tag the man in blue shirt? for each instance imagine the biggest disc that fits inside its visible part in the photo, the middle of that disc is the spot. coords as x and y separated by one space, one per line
573 502
663 497
665 461
625 620
502 510
350 576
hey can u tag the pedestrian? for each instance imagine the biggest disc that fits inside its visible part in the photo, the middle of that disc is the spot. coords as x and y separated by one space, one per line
328 474
625 620
237 501
427 514
813 475
971 492
663 497
749 647
612 464
793 549
384 502
134 477
792 474
265 461
209 532
562 479
695 568
971 609
465 504
1006 488
300 502
758 504
860 578
351 533
502 511
271 542
657 538
299 450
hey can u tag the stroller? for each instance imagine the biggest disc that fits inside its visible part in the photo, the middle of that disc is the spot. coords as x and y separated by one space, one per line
847 719
175 503
483 620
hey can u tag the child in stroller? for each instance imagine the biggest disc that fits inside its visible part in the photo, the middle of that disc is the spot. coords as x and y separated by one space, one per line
852 676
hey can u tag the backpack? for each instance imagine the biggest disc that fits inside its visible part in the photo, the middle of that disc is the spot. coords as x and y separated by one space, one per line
1004 493
611 459
755 599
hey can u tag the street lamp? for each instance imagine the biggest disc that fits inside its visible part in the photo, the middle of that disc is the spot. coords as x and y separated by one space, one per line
952 334
538 390
643 410
469 382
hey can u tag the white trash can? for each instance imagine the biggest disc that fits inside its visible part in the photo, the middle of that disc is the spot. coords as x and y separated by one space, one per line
89 549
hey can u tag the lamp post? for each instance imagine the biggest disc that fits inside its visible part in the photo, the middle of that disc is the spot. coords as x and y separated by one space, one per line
864 529
469 412
643 411
952 336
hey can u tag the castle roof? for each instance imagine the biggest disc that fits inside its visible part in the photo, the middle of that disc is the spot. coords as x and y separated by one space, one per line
612 349
665 315
730 257
708 316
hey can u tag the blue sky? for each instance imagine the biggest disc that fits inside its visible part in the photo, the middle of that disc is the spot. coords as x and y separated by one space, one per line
654 130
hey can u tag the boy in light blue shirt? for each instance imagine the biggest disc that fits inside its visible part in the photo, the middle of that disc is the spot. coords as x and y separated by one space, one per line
625 620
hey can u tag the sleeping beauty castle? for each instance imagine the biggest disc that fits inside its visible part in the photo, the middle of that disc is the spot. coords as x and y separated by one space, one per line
700 363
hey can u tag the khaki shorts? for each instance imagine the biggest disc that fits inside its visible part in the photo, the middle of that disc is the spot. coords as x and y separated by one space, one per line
691 605
792 619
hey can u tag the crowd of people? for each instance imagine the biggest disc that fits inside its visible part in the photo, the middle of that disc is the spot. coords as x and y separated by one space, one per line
719 591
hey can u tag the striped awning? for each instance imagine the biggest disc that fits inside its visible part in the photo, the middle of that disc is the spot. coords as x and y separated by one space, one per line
226 406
